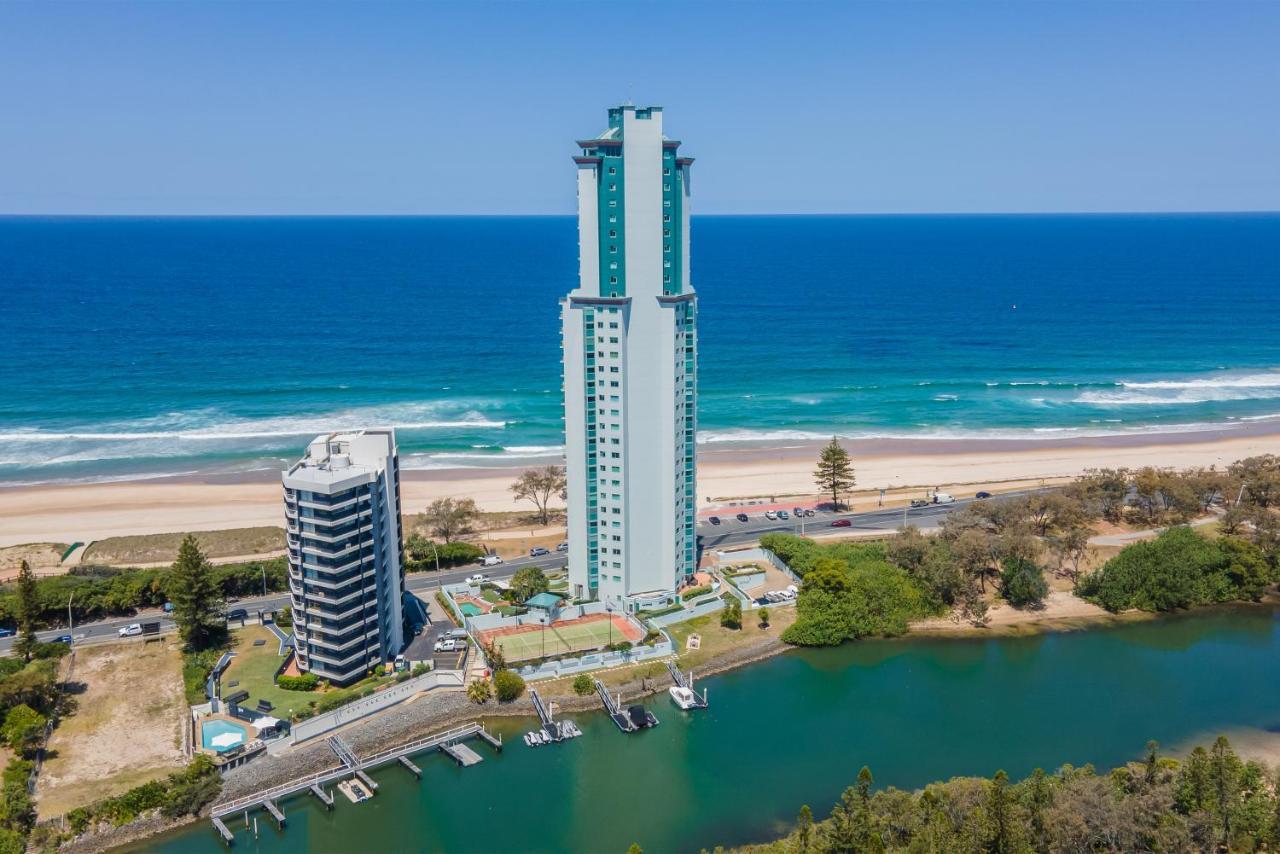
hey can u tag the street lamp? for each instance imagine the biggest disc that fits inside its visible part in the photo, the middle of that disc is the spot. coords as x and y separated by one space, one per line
264 580
71 626
608 609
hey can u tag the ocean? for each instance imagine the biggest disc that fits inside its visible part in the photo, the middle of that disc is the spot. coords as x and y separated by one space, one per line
137 348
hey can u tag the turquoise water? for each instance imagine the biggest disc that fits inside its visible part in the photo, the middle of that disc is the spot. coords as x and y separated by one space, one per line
211 729
139 347
470 610
795 730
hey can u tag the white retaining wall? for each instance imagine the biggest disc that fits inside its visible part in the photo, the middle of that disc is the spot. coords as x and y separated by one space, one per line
384 699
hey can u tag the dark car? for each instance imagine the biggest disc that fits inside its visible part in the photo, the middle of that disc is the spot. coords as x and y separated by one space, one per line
538 551
982 495
919 502
63 639
842 523
6 633
714 520
238 614
742 517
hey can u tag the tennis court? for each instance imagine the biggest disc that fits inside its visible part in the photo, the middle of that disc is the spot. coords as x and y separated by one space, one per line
533 640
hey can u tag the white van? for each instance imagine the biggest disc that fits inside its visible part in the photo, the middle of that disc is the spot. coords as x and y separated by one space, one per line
943 498
492 560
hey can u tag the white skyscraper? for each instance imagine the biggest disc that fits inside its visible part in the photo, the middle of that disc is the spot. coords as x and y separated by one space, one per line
630 368
346 573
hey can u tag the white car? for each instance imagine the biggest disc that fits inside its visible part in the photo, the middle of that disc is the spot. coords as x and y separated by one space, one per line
490 560
446 645
131 630
943 498
477 578
770 515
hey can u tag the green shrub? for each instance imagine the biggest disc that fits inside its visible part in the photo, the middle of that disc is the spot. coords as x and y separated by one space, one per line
507 685
1022 583
420 668
695 592
284 617
305 682
1179 569
583 685
196 667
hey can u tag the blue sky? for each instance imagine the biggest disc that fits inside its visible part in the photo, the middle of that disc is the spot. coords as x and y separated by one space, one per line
472 108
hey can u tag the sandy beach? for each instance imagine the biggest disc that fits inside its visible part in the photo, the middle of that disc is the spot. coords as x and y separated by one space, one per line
87 512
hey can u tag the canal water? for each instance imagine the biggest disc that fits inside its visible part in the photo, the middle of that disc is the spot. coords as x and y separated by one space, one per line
797 728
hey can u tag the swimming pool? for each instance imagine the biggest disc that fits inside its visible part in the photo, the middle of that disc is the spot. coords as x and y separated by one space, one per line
221 735
470 609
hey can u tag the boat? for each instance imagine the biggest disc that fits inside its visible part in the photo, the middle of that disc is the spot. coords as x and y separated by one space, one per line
684 697
528 739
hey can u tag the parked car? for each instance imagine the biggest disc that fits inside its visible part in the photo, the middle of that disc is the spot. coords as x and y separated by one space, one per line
810 512
456 634
919 502
401 663
714 520
943 498
446 645
490 560
168 607
477 578
563 547
538 551
131 630
842 523
797 512
983 494
770 515
63 639
742 517
6 633
783 514
237 614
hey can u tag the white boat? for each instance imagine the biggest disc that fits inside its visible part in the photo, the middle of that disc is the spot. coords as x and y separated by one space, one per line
528 739
684 697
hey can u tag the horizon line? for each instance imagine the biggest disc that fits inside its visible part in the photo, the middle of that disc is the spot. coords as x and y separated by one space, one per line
1126 212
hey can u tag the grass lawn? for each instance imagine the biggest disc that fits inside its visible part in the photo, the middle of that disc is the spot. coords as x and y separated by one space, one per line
126 729
716 639
254 667
158 548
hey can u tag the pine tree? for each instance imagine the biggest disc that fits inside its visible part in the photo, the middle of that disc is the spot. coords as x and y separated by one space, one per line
28 608
804 827
197 600
835 472
999 808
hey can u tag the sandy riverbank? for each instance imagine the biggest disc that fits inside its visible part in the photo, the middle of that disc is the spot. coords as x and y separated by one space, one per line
86 512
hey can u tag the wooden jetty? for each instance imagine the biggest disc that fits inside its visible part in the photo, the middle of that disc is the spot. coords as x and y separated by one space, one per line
351 765
324 796
463 755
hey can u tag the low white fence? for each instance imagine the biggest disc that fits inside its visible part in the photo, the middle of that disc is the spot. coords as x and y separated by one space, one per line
595 661
384 699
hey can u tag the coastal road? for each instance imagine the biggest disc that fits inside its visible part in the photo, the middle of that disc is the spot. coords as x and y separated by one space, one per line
729 532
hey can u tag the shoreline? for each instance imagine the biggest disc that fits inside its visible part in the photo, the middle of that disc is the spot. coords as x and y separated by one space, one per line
412 720
67 513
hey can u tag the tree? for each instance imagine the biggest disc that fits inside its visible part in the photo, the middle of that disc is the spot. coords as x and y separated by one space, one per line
28 608
23 727
198 608
804 827
507 685
1070 547
1022 583
731 615
1000 809
493 656
450 519
635 848
479 691
835 472
582 685
528 582
763 614
539 486
1260 477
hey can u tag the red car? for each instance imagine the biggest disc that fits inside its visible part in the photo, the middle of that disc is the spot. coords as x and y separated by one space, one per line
842 523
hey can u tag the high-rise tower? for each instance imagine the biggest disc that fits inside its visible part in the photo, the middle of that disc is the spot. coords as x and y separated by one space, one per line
346 571
630 368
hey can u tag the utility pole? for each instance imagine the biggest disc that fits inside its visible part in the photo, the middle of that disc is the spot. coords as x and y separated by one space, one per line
71 624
